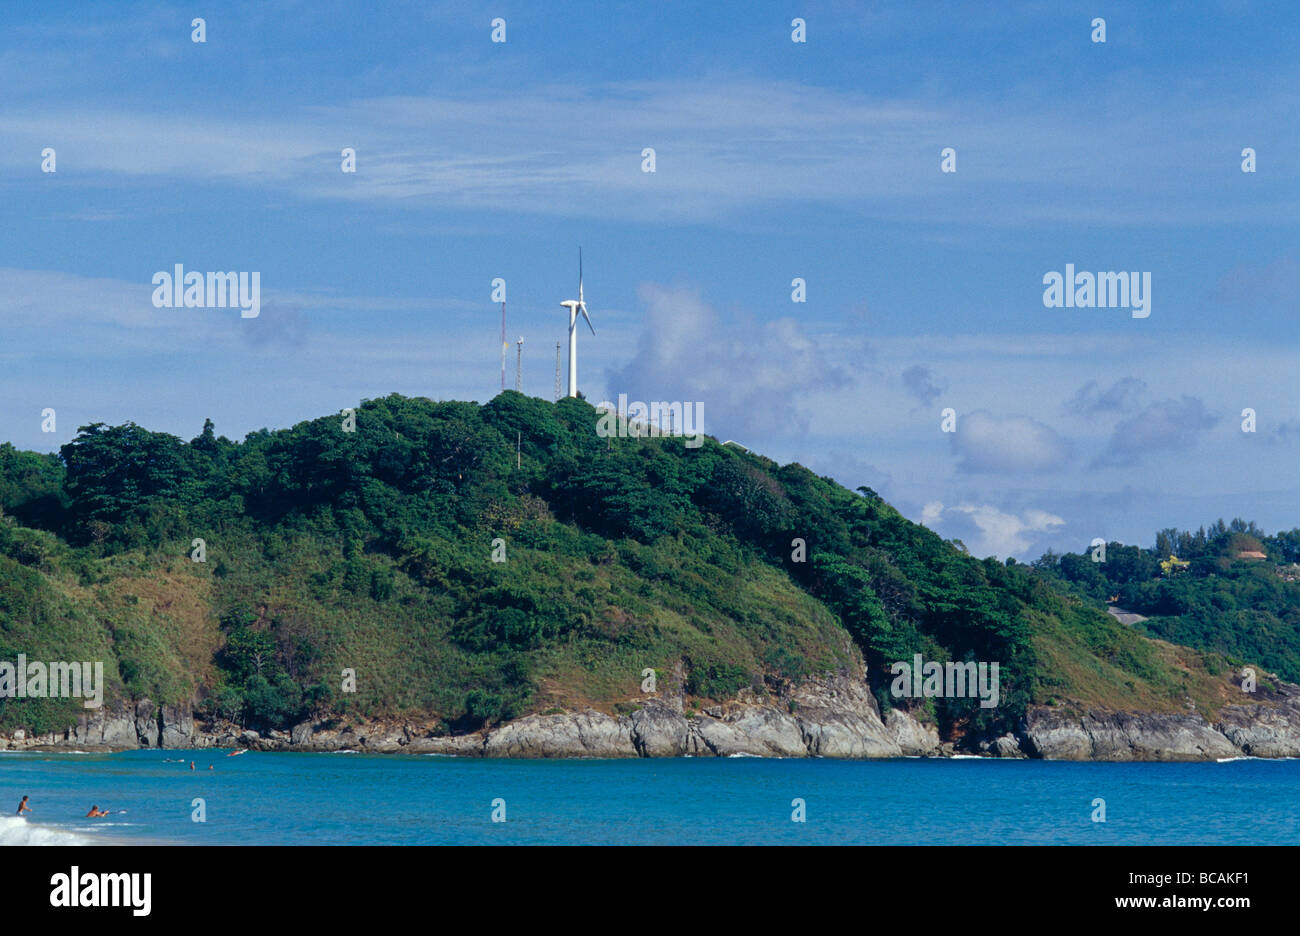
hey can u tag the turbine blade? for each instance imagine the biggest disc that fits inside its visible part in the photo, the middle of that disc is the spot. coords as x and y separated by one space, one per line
583 309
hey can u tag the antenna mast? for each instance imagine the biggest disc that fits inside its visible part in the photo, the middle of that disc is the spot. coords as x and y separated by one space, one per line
519 365
557 370
504 346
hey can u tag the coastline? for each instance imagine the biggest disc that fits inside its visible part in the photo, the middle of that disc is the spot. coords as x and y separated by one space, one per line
832 717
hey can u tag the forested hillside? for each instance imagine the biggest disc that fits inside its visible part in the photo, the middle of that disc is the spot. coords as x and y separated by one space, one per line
1238 594
373 549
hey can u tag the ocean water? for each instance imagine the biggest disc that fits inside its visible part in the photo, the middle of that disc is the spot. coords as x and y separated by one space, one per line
354 799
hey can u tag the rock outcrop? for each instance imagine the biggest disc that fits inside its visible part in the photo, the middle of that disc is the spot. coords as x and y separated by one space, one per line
581 734
1122 736
146 724
833 717
840 718
1264 730
117 726
177 729
1006 746
914 738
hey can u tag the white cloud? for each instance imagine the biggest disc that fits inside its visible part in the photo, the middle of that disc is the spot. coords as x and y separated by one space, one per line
988 443
753 377
986 530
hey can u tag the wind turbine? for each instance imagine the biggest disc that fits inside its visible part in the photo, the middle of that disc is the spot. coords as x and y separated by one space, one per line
575 306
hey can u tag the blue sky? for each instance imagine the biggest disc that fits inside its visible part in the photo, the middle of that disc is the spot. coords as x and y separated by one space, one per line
774 160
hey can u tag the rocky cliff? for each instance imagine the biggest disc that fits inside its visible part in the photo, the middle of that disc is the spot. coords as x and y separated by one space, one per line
1265 729
828 717
116 727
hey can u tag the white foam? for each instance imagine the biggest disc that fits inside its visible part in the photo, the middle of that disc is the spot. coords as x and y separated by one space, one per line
16 830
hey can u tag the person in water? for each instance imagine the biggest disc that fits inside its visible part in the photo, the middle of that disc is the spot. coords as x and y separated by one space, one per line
96 812
23 807
191 765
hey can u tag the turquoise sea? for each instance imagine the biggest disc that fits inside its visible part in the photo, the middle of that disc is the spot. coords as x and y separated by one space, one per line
355 799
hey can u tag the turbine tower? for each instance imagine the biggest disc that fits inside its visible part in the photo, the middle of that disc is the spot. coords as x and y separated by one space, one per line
557 371
575 306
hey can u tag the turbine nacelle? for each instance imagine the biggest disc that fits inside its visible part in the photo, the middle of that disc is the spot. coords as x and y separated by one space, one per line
576 306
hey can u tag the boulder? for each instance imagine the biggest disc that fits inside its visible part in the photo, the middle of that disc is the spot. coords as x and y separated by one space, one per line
914 739
1006 746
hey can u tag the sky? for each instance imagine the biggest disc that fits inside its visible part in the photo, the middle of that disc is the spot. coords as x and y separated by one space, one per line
774 160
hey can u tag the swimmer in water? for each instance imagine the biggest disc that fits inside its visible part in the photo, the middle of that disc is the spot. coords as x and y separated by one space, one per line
96 812
23 807
191 765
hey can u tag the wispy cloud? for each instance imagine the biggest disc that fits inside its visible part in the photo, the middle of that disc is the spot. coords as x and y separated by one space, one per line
722 146
1120 397
1159 428
919 382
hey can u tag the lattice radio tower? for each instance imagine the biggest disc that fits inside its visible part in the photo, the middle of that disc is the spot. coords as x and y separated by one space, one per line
558 345
504 345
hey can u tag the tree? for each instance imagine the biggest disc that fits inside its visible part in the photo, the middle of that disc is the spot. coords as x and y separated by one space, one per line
115 471
31 488
248 653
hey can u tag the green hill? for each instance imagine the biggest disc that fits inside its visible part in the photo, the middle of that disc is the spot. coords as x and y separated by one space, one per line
372 550
1238 596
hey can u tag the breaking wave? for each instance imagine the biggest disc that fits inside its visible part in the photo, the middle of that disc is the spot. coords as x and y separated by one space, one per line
16 830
